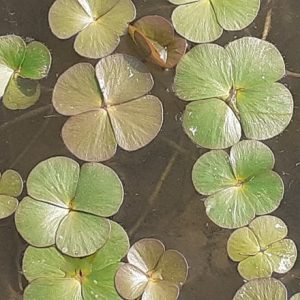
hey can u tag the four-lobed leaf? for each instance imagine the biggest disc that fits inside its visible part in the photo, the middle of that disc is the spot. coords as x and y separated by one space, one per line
262 289
21 66
108 107
262 248
151 272
202 21
155 37
11 186
240 185
67 206
231 90
53 275
97 24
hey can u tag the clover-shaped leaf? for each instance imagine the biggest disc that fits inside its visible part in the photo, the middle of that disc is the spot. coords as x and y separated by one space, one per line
98 23
53 276
21 66
108 107
151 272
155 37
240 185
203 21
262 289
262 249
67 206
233 89
11 186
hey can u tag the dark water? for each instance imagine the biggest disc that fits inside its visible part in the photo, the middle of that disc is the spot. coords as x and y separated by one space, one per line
160 200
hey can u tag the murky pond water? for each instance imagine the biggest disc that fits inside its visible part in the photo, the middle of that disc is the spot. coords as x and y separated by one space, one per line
160 199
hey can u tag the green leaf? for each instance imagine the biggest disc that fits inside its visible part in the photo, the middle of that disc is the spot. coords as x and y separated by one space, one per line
145 254
54 181
21 93
100 284
173 267
235 14
12 51
238 186
196 21
95 8
204 72
161 290
268 230
8 206
36 62
249 158
212 172
105 31
5 76
67 18
257 266
211 124
230 208
265 191
262 289
77 91
99 190
265 111
37 222
296 297
241 244
114 249
282 255
81 234
130 281
251 62
53 289
89 136
131 79
46 263
11 183
136 123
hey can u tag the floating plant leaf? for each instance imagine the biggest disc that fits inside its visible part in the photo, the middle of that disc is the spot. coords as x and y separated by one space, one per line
296 297
107 107
151 272
21 66
99 24
203 21
53 275
68 206
262 289
262 249
240 185
155 36
11 186
233 89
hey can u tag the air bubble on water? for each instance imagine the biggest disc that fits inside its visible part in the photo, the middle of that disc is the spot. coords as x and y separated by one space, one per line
64 249
95 281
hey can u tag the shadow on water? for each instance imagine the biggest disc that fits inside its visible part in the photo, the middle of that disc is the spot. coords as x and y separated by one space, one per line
160 200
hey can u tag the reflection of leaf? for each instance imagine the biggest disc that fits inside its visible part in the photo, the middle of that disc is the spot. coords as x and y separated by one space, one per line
203 21
52 275
20 64
151 272
239 185
233 89
155 36
68 206
110 109
262 249
262 289
99 24
11 186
